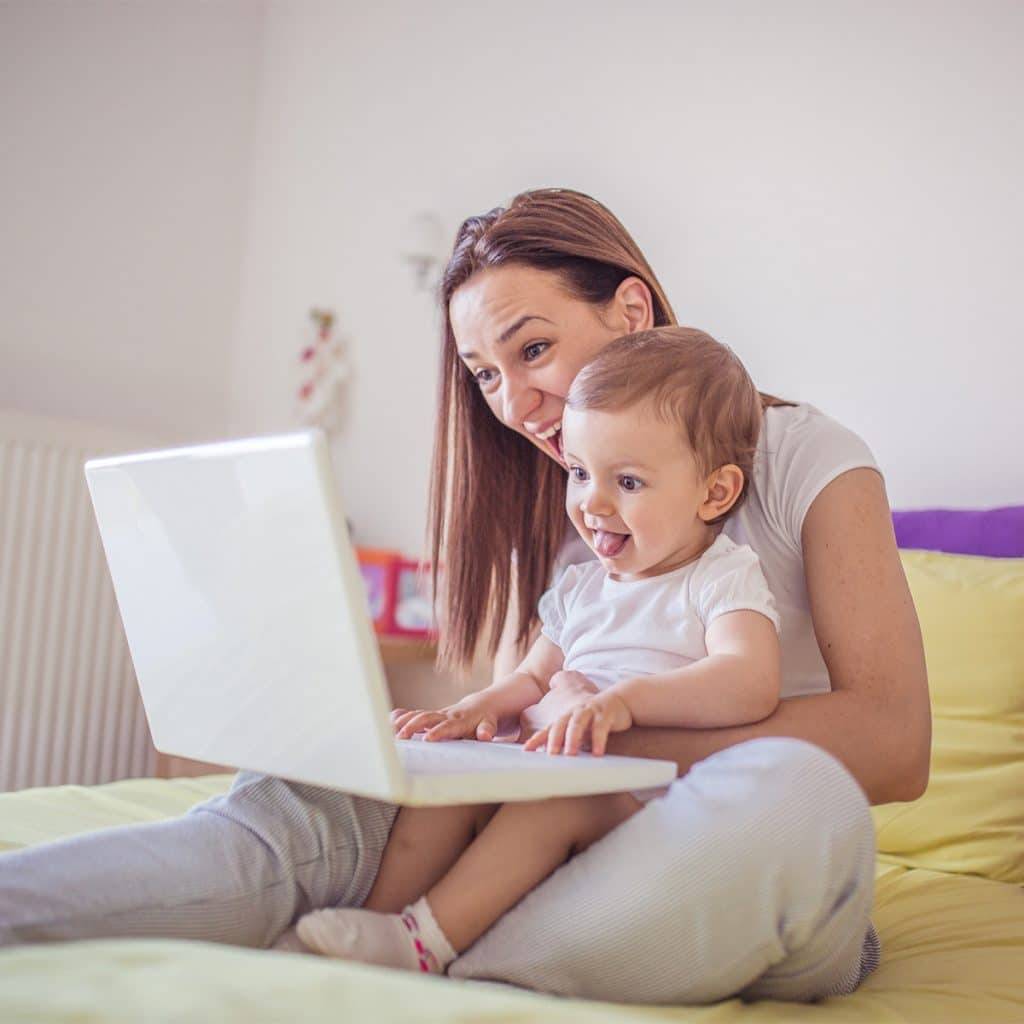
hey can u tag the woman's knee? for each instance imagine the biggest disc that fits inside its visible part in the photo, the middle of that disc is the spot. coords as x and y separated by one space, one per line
777 778
777 801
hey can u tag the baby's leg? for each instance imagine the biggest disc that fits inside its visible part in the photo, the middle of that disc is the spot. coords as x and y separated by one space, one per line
424 843
520 846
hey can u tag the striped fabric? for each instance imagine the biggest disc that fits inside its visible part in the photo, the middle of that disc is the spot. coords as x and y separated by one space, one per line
236 869
753 876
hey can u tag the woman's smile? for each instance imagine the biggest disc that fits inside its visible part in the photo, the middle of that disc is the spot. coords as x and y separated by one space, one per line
523 338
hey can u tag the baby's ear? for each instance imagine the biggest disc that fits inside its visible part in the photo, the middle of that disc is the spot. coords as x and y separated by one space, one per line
724 487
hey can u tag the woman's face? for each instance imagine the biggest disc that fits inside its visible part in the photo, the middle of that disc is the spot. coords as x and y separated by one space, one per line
524 337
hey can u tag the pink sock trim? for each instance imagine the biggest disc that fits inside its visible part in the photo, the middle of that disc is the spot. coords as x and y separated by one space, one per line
428 936
428 962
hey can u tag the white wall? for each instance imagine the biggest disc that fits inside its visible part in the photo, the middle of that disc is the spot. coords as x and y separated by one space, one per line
832 188
126 131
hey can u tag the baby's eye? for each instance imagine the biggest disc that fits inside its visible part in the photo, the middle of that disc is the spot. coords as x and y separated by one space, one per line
630 483
578 474
534 350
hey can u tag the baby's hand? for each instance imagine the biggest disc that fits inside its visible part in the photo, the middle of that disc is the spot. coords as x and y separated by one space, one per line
565 691
574 682
598 716
467 719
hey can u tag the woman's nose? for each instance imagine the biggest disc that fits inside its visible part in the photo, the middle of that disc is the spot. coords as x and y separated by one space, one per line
517 402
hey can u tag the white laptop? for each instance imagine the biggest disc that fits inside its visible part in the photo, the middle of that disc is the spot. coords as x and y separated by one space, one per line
248 624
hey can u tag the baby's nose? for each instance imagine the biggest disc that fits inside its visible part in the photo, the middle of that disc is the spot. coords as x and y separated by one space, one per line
597 504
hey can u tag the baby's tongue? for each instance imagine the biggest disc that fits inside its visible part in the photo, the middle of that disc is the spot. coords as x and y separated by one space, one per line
609 544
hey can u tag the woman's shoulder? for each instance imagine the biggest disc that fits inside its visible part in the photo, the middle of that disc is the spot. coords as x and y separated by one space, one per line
801 451
802 439
789 426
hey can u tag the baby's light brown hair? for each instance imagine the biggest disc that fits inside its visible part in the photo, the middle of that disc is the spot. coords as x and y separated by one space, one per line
691 381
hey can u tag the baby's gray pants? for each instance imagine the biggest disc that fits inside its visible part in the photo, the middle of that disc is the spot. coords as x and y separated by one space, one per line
753 876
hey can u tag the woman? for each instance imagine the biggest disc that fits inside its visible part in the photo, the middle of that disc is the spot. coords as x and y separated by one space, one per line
760 870
562 260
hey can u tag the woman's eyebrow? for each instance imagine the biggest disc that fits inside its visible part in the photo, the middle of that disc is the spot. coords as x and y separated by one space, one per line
510 331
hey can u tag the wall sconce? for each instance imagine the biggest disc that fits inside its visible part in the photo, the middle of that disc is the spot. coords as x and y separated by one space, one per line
424 248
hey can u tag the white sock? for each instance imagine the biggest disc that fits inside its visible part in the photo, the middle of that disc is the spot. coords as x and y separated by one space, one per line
412 940
289 942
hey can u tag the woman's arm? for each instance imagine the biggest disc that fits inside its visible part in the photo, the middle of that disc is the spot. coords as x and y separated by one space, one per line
877 719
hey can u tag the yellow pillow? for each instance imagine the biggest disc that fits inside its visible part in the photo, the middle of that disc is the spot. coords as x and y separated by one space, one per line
971 819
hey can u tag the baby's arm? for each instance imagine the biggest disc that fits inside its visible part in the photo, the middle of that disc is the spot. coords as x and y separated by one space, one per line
738 682
477 714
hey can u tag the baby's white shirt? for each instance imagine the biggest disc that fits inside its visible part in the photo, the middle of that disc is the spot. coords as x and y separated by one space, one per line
611 630
800 452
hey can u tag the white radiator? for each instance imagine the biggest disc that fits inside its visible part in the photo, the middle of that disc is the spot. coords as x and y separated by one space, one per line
69 703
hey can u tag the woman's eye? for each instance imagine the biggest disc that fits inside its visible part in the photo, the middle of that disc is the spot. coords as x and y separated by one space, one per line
484 377
630 483
534 350
578 474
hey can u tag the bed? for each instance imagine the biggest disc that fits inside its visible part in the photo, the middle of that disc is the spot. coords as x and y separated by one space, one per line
949 898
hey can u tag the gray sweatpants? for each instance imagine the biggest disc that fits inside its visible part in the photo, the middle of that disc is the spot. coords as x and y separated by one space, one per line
753 876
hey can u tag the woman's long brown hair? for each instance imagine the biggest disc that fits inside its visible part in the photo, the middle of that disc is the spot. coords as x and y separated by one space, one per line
497 513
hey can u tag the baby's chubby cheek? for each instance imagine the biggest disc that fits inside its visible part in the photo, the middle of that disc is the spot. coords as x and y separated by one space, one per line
575 514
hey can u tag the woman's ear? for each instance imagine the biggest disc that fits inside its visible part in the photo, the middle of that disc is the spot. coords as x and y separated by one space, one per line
724 487
634 305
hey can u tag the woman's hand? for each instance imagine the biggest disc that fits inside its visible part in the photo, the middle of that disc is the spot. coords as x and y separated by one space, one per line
565 691
596 716
470 718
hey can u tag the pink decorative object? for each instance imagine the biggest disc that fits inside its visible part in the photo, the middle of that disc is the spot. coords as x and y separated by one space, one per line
414 611
323 370
398 593
377 567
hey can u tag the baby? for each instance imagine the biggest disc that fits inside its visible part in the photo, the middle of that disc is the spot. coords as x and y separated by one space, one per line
673 624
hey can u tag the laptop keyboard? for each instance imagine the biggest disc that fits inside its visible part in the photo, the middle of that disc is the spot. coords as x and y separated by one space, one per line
452 756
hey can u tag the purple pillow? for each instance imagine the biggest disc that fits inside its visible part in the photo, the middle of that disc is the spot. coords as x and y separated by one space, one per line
995 532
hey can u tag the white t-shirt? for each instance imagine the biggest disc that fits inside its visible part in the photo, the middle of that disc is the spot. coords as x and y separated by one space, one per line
799 453
611 630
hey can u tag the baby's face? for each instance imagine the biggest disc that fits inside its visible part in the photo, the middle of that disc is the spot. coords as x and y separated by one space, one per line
634 491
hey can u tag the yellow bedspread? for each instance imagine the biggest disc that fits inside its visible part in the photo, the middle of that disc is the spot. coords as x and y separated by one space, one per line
953 950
